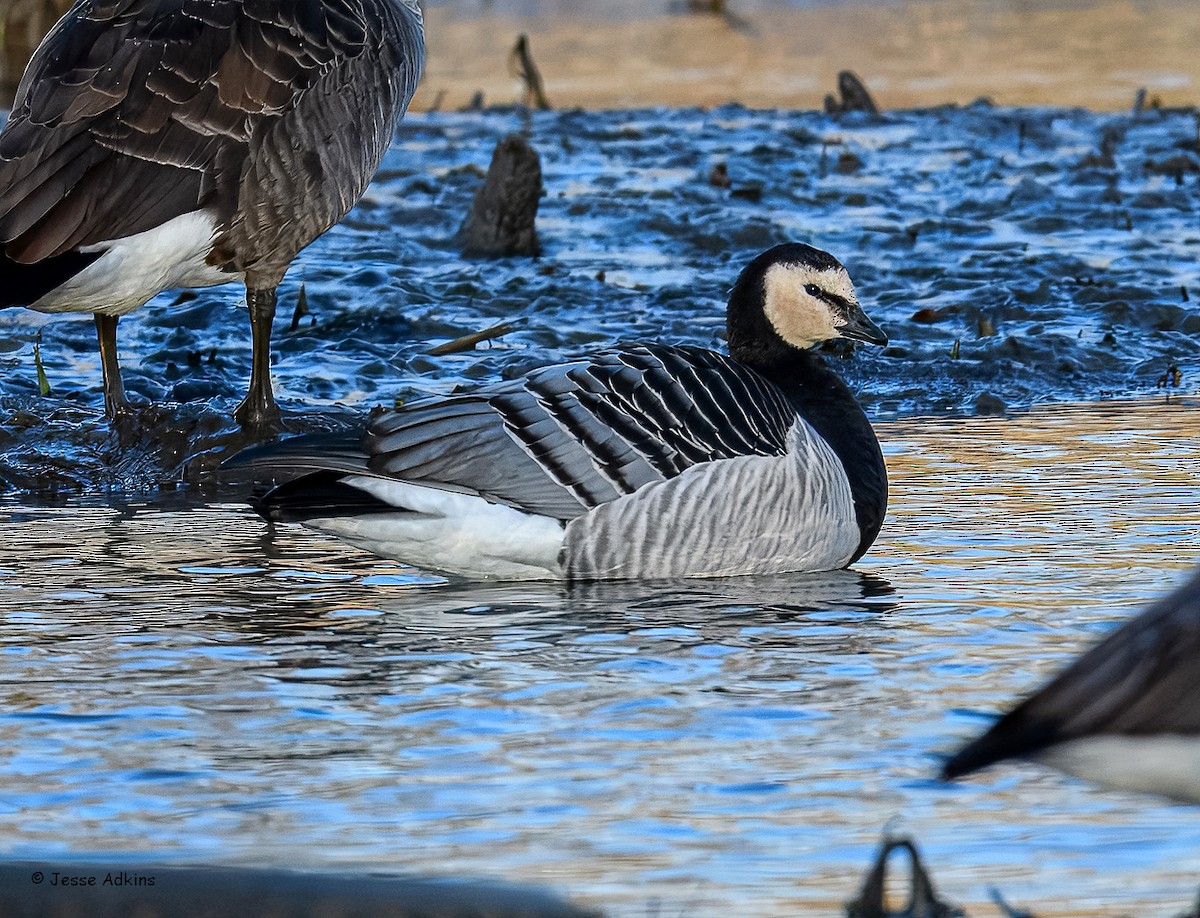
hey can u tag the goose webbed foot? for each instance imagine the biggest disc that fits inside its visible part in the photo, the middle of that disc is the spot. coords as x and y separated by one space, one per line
259 417
125 421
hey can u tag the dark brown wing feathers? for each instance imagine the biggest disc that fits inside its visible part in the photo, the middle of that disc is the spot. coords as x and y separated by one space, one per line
1144 678
174 96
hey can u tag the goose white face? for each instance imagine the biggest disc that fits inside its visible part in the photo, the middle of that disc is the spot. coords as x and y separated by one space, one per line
808 305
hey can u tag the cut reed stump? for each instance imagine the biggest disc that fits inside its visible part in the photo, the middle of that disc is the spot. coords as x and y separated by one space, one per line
503 214
855 97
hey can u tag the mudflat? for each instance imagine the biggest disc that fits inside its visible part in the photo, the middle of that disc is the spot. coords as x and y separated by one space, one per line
911 54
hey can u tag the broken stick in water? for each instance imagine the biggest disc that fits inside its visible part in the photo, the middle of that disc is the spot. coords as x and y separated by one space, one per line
468 342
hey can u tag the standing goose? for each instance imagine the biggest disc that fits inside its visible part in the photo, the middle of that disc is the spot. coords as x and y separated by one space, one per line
156 144
1126 713
643 461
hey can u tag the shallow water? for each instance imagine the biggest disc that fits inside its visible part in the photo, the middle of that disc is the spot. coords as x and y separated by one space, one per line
1003 250
179 682
182 683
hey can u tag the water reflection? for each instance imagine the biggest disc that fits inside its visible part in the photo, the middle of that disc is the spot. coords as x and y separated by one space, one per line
179 680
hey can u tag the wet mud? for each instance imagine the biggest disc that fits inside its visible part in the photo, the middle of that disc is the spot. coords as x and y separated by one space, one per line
1014 256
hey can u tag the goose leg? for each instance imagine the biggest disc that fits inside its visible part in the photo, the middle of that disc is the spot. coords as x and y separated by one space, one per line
258 412
115 404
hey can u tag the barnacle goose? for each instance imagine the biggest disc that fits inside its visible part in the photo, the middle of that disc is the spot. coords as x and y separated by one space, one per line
156 144
642 461
1125 714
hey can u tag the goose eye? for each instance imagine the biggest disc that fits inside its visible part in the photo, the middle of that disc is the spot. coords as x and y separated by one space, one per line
813 290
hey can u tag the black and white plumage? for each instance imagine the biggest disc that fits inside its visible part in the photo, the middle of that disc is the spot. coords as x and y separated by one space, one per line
643 461
1125 714
156 144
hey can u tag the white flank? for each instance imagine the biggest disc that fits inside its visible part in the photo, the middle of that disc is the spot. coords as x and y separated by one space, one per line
136 268
747 515
1165 764
452 532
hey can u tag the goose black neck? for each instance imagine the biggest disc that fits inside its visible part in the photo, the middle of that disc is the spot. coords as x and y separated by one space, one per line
826 402
819 396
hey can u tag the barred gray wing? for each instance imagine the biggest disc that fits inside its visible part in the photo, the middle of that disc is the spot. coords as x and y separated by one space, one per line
573 436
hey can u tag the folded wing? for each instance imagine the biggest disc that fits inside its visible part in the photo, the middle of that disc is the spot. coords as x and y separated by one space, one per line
567 438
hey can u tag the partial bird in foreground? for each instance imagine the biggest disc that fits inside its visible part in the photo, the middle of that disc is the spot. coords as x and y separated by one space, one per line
1125 714
156 144
642 461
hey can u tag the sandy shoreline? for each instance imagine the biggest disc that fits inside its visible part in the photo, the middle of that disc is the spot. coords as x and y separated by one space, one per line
911 54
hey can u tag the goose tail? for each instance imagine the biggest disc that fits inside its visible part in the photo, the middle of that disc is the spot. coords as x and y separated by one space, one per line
301 478
24 284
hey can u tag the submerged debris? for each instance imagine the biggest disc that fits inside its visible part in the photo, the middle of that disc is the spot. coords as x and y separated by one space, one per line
988 404
39 367
848 163
927 316
503 215
718 176
1175 166
1007 910
468 342
301 309
1170 379
717 8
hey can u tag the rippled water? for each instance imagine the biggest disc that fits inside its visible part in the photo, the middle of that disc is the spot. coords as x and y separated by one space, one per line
182 683
1035 255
